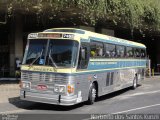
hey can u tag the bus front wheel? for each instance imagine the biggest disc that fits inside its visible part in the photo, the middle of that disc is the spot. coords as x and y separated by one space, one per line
135 82
92 94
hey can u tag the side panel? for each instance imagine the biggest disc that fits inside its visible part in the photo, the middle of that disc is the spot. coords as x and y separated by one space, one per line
111 75
108 81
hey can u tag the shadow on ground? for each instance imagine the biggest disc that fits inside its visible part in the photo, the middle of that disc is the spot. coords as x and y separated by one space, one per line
28 105
114 94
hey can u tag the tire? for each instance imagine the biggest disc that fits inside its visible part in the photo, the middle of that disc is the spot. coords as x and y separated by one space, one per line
92 94
134 86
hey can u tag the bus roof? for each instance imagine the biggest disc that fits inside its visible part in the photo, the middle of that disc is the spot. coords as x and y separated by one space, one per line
97 36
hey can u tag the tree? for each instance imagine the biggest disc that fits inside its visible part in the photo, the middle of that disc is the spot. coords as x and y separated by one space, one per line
136 14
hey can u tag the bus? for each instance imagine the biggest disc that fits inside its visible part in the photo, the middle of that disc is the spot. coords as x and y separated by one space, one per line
66 66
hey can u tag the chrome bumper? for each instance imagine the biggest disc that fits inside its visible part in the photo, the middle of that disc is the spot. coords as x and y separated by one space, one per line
48 98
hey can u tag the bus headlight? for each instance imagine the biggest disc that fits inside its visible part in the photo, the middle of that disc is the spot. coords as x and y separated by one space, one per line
60 88
56 88
26 85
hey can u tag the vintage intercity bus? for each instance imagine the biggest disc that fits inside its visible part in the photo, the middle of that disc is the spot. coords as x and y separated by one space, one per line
66 66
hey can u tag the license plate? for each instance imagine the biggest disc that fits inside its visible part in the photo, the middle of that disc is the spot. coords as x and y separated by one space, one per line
41 87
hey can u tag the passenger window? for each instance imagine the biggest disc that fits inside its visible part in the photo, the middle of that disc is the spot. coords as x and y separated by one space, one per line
96 49
137 53
110 51
129 52
143 53
120 51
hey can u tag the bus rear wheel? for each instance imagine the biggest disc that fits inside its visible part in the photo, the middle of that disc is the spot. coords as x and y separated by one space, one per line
92 94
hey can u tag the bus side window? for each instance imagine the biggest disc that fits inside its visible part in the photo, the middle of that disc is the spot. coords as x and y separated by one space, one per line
83 56
137 53
110 51
97 49
129 52
120 51
143 53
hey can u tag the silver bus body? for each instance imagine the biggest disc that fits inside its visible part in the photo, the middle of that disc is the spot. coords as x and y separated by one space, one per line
71 85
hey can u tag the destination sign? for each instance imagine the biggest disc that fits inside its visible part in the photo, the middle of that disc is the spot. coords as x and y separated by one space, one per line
49 35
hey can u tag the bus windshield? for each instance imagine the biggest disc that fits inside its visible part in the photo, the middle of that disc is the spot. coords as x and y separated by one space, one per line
57 53
36 52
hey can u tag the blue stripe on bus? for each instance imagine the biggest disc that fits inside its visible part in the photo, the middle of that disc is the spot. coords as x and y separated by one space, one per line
114 64
84 72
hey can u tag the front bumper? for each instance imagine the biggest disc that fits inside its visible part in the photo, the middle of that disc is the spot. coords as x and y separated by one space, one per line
48 98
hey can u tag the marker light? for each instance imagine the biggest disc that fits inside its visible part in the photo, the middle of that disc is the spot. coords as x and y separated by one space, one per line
26 85
70 88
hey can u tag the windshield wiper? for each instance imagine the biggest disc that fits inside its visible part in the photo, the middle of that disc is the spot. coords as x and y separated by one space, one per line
36 58
53 62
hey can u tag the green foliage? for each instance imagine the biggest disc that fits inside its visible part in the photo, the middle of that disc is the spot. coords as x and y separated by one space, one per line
136 14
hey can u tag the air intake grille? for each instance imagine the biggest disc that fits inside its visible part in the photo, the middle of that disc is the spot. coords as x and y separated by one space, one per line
48 77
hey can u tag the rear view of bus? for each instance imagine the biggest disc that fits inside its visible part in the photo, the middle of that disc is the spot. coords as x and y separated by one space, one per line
50 58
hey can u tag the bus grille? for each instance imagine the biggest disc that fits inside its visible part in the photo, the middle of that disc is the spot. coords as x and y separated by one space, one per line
48 77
